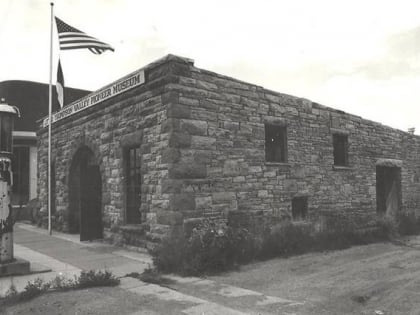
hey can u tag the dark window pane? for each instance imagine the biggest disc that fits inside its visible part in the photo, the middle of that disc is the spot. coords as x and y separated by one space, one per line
6 134
275 143
340 150
133 186
299 208
20 169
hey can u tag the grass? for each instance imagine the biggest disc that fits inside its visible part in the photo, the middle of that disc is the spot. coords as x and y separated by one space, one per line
86 279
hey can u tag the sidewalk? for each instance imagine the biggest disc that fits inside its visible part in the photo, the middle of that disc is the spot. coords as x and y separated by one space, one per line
64 254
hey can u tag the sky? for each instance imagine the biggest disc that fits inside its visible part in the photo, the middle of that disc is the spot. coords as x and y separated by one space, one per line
359 56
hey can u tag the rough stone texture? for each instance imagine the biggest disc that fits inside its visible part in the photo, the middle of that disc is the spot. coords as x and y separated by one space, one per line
201 136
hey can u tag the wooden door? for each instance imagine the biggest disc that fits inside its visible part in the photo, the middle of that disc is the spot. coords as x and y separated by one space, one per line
90 203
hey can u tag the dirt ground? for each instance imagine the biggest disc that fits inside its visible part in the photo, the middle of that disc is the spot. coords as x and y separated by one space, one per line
373 279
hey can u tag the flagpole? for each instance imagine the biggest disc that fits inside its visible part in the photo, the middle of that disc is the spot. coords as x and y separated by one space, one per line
50 121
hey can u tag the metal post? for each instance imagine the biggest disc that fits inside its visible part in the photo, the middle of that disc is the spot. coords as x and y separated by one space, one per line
50 122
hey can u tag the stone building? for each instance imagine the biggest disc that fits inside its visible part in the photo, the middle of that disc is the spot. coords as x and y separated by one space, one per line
171 144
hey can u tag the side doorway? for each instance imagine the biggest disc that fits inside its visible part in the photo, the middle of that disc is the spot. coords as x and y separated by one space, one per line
85 196
388 190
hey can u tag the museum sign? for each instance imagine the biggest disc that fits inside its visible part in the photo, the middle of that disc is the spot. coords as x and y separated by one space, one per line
118 87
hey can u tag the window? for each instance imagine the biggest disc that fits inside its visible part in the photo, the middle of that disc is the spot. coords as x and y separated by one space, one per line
133 185
299 208
6 126
340 150
275 143
20 169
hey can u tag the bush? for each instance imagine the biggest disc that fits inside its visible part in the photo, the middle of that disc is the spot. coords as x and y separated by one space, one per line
33 289
170 254
285 239
11 292
88 279
62 283
207 250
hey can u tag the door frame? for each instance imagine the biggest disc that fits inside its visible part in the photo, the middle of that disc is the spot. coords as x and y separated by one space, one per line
80 197
386 178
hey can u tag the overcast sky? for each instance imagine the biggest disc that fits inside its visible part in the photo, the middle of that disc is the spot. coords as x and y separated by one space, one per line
358 56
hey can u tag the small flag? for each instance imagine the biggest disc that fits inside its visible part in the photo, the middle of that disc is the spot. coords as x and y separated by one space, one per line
60 85
72 38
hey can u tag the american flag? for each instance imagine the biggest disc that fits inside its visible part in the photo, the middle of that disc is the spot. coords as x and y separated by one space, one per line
72 38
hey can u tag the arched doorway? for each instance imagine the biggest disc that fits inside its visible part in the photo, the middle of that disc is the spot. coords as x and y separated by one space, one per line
85 196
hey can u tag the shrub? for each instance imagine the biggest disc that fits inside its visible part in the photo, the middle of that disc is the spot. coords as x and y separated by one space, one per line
209 249
11 292
169 255
285 239
33 289
59 283
212 249
62 283
93 278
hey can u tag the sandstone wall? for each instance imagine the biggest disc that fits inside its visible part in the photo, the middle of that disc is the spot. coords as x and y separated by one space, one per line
220 165
202 142
107 129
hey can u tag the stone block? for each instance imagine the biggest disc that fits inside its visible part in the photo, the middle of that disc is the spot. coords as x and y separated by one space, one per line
231 125
200 142
262 193
171 186
206 85
169 217
209 105
193 127
178 111
203 115
16 267
203 202
180 140
170 124
223 197
290 185
170 155
190 224
202 157
180 171
231 168
170 97
183 201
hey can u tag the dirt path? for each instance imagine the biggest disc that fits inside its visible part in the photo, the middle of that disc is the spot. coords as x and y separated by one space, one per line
373 279
361 280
